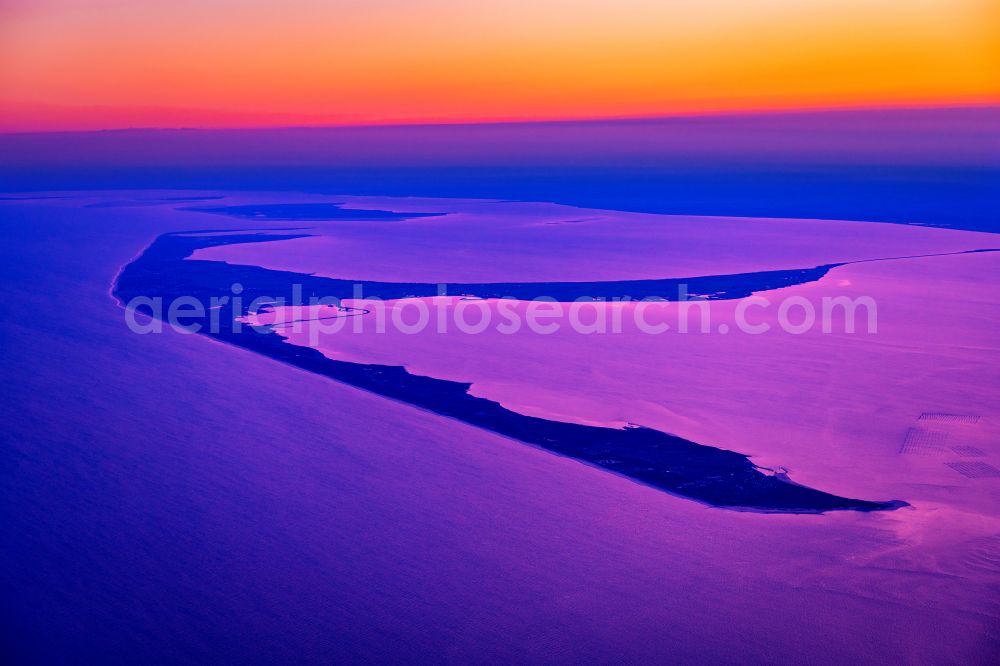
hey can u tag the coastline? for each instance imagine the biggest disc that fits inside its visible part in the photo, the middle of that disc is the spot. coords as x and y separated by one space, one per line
695 471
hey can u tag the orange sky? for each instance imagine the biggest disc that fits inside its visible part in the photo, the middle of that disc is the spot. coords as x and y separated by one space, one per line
84 64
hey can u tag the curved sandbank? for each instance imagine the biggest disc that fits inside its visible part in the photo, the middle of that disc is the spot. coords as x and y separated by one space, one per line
323 211
699 472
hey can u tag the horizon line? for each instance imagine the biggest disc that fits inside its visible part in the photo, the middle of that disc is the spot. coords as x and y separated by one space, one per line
564 120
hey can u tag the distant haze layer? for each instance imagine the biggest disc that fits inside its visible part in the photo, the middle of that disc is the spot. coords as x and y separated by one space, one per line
919 166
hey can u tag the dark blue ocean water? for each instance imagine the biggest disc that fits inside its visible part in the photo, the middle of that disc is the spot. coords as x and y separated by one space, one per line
165 499
946 196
